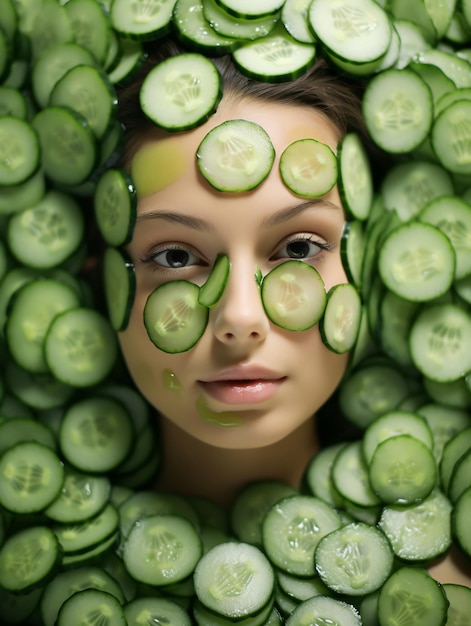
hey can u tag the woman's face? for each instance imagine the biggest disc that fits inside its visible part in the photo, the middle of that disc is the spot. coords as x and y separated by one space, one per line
247 383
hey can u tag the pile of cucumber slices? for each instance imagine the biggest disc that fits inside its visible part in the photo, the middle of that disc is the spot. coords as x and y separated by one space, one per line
83 537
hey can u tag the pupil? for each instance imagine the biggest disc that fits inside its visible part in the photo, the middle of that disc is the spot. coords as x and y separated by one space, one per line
177 258
298 249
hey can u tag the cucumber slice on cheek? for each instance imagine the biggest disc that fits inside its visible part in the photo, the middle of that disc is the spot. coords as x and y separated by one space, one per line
176 315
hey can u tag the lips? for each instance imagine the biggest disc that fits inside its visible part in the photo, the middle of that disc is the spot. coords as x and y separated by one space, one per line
249 385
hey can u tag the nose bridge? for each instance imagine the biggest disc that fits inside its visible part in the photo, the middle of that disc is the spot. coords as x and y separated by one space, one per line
240 316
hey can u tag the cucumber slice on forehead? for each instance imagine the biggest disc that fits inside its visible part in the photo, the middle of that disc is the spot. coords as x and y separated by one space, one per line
181 92
235 156
308 168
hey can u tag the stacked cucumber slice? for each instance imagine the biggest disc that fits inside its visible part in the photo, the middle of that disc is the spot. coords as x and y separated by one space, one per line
81 536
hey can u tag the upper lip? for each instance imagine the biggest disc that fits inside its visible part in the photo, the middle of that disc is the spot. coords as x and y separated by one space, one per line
241 372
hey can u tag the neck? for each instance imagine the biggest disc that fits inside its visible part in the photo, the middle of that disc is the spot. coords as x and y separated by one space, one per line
191 467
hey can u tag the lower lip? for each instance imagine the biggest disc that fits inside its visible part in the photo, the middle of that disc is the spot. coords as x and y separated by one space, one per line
242 392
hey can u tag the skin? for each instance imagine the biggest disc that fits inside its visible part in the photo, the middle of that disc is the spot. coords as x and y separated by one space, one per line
274 438
239 334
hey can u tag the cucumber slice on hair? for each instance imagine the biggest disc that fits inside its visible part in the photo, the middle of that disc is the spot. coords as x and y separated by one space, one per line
275 58
235 156
228 25
142 20
308 168
196 32
181 92
173 317
358 34
293 295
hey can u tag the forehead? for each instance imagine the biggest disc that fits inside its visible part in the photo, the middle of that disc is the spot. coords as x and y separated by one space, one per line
163 158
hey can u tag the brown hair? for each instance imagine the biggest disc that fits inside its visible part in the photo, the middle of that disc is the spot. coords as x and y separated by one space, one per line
321 87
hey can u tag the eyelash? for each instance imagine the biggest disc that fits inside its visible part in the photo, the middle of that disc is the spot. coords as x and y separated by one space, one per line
308 237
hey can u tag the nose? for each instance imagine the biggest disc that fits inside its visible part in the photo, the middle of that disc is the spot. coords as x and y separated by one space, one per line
239 319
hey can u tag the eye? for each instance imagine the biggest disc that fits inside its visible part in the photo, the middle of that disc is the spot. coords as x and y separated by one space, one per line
173 257
301 246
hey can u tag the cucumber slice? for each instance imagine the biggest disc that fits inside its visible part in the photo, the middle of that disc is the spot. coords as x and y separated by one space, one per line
398 110
228 25
68 145
162 549
32 477
155 610
420 532
247 9
212 290
293 295
251 505
115 204
173 317
358 34
91 26
142 20
46 234
80 347
451 135
82 497
275 58
324 610
340 323
80 538
350 476
392 423
234 580
28 559
417 262
355 177
412 596
91 605
439 341
354 560
53 64
33 310
294 18
120 287
235 156
87 90
96 434
13 103
352 248
66 583
402 470
195 31
308 168
291 530
452 216
460 521
20 151
181 92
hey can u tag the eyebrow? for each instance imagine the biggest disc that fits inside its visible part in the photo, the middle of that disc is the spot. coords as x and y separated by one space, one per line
276 219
